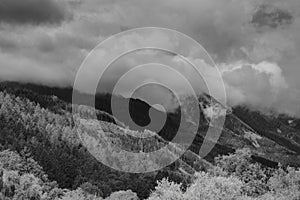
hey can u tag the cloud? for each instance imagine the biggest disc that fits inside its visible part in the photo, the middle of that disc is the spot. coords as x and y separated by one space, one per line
255 43
22 68
256 85
31 11
268 15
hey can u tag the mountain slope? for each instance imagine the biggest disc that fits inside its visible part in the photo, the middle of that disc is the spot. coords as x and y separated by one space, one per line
52 138
269 138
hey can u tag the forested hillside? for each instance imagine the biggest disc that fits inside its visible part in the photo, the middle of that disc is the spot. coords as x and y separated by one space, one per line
234 177
42 158
53 142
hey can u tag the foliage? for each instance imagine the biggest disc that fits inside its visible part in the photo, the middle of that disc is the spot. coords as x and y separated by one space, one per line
253 175
15 186
235 177
206 187
78 194
167 191
40 154
50 139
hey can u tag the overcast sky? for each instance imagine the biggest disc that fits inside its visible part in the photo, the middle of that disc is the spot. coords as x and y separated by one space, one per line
256 44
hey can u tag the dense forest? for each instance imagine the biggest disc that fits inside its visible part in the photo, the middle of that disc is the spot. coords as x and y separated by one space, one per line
233 177
53 142
42 158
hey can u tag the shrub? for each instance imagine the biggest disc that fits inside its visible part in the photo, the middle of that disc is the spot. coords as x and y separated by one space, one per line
210 187
123 195
206 187
253 175
166 190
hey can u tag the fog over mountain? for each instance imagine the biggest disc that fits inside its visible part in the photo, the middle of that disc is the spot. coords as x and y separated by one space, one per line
256 44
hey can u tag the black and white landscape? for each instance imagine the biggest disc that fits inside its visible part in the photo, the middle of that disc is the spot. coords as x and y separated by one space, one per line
60 140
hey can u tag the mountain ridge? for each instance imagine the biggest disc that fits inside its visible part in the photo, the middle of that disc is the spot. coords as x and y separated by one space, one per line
240 130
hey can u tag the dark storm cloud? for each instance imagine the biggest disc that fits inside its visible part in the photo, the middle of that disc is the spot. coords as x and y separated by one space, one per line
271 16
31 11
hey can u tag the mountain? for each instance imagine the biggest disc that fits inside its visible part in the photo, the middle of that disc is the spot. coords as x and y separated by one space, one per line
272 139
280 130
51 136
